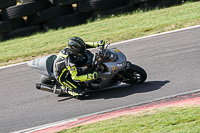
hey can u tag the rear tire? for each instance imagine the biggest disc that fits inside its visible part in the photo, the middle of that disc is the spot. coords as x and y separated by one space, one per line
134 75
47 80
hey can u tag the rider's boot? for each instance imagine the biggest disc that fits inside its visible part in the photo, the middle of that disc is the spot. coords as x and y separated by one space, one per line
63 91
79 96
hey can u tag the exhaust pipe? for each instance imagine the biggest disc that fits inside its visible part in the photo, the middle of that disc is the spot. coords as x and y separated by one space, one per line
48 88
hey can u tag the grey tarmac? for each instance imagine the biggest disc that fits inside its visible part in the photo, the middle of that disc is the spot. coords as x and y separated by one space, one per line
170 60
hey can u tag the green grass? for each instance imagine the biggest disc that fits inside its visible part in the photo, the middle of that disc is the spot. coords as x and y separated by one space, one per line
164 120
113 29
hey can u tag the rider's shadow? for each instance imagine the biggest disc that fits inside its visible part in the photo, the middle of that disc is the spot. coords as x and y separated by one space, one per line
125 90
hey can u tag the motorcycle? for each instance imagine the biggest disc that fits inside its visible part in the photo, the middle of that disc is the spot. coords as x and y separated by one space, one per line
111 65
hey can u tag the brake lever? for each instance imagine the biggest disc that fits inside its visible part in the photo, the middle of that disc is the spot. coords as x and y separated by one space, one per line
107 45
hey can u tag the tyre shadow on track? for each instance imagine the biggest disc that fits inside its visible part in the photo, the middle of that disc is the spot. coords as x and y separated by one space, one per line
126 90
122 91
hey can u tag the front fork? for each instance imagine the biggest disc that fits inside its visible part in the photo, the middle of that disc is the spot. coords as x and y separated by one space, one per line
121 75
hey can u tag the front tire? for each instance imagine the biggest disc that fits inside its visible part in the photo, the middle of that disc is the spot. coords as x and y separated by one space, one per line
134 74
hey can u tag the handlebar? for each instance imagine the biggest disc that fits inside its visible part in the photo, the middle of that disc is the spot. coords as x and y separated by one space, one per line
103 47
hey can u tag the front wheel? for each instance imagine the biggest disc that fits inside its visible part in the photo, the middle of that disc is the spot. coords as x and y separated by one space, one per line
134 75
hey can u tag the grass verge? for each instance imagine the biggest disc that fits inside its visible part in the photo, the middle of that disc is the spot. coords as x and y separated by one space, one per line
163 120
111 29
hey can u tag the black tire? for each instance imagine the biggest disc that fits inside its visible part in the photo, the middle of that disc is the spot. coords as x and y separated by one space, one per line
48 14
159 3
47 80
26 31
24 9
139 1
135 75
7 3
1 37
0 16
27 1
115 11
64 2
67 20
99 5
9 25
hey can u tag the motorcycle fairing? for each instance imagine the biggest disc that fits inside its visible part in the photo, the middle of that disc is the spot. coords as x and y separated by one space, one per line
43 65
113 67
118 64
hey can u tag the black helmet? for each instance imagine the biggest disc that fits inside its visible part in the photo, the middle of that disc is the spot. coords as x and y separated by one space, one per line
77 46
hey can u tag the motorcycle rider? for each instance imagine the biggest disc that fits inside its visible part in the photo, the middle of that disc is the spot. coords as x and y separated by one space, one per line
65 65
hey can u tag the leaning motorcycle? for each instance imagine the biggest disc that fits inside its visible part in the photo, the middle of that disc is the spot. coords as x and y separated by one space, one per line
111 65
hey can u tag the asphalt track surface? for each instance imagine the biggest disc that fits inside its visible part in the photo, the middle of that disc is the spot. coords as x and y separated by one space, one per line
171 61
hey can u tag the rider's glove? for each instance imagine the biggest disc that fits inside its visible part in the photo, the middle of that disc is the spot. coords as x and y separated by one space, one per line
97 44
101 43
92 76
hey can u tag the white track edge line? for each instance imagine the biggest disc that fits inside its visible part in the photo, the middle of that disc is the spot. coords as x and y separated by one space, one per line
29 130
159 34
13 65
144 37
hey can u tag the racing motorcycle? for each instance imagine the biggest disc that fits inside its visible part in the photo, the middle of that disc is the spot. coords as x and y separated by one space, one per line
111 65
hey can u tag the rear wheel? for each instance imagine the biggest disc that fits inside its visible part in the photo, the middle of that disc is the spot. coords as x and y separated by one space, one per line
47 80
134 75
